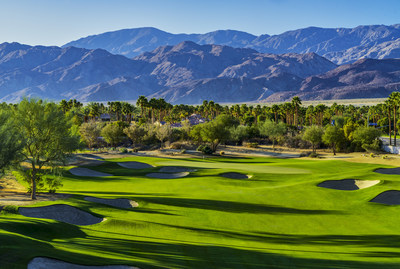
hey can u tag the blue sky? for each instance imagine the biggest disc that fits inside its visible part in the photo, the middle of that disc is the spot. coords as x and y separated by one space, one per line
56 22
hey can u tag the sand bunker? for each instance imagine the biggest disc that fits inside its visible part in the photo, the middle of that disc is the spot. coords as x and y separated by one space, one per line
85 172
47 263
167 176
176 169
63 213
388 198
234 175
348 184
388 171
120 202
135 165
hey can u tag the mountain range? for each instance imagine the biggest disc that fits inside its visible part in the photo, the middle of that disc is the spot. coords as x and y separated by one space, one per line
193 71
339 45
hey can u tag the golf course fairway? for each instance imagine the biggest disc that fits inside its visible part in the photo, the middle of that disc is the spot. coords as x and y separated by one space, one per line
277 218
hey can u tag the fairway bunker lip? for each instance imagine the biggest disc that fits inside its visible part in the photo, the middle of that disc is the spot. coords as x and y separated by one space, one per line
176 169
50 263
118 202
388 171
391 197
235 175
348 184
135 165
167 176
86 172
61 212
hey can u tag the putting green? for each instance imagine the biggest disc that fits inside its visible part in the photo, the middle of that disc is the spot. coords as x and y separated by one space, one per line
278 219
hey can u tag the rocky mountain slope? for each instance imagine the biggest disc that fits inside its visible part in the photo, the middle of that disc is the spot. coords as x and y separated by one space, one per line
187 73
340 45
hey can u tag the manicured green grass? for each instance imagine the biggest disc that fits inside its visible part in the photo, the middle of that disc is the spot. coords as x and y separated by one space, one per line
278 218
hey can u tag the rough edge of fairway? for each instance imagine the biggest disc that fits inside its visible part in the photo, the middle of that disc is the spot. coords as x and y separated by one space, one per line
119 202
135 165
391 197
167 176
235 175
85 172
388 171
48 263
61 212
176 169
348 184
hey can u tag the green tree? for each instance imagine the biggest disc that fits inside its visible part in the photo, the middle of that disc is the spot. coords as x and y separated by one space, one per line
217 131
136 133
273 130
113 133
313 134
47 135
11 143
163 133
90 132
368 138
333 136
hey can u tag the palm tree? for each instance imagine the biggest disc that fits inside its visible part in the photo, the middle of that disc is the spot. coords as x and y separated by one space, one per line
296 103
388 108
394 98
275 110
142 102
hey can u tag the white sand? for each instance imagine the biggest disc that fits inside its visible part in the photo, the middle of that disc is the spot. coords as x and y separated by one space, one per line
63 213
85 172
47 263
135 165
176 169
391 197
120 202
167 176
348 184
234 175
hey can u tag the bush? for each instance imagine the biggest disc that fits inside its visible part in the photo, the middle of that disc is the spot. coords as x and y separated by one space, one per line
123 150
313 155
205 149
183 151
222 153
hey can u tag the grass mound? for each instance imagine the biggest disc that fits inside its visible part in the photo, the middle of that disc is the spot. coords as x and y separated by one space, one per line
348 184
234 175
391 197
388 171
85 172
167 176
175 169
63 213
135 165
47 263
120 202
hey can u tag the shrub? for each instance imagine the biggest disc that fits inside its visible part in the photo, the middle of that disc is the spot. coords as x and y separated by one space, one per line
205 149
183 151
313 155
222 153
123 150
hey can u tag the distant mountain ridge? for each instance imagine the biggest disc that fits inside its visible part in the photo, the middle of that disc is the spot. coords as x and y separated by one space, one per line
340 45
184 73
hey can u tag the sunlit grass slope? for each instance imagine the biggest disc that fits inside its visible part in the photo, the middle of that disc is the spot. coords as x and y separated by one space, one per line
277 218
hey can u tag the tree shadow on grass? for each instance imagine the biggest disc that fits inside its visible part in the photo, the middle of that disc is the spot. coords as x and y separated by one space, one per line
42 230
176 254
234 207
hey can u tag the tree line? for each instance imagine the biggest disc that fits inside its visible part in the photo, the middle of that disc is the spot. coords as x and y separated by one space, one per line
43 133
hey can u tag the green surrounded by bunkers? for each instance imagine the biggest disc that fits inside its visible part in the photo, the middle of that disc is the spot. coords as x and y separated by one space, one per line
206 215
